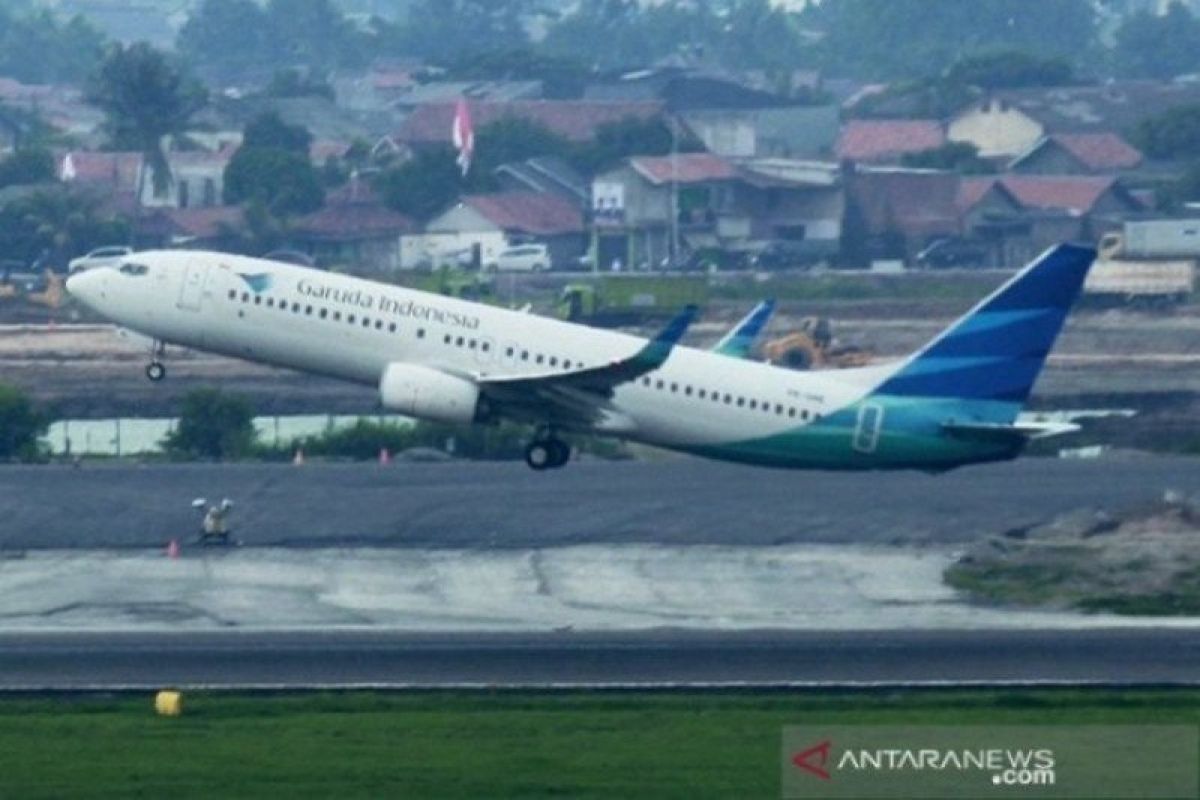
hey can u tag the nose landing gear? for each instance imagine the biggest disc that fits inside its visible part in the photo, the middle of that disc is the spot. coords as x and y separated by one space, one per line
547 451
156 370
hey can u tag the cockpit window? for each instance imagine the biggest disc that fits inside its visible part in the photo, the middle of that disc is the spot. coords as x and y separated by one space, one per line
129 268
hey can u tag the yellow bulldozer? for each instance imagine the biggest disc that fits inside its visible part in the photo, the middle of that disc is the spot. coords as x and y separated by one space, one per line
813 347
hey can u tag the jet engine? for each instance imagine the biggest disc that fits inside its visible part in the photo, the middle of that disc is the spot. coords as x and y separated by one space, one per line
418 391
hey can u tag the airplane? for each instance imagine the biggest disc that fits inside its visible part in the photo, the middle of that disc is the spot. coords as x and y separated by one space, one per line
739 341
953 402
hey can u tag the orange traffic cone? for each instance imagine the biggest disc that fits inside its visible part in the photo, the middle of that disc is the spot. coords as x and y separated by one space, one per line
298 459
173 548
385 457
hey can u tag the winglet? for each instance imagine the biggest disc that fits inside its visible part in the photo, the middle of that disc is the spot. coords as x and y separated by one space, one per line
656 351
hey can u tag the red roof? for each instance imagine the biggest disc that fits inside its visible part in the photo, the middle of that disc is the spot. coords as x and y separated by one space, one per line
572 119
1099 151
351 220
117 170
971 191
886 139
528 212
199 223
1075 194
684 168
918 203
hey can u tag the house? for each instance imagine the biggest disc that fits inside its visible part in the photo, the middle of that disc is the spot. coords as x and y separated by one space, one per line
886 140
354 229
706 202
1022 215
1077 154
1007 124
548 175
114 177
479 226
804 132
212 228
893 212
196 180
433 93
574 120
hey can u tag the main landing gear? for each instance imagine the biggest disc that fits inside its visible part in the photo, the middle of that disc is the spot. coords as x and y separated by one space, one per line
156 370
547 451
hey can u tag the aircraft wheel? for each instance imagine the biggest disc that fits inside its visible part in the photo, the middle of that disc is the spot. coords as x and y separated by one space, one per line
560 453
539 455
155 371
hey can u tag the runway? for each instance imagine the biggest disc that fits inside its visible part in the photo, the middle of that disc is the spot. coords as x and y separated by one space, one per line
680 501
762 659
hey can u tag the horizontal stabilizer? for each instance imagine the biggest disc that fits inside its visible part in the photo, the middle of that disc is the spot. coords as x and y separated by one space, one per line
1020 432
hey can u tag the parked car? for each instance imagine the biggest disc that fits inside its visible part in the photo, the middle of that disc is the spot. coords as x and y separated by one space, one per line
520 258
782 254
100 257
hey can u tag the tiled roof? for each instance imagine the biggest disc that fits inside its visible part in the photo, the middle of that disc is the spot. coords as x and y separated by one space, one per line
884 139
571 119
1096 151
349 220
117 170
684 168
528 212
1075 194
915 202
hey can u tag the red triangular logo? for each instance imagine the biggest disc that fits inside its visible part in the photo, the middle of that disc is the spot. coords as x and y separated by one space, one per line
814 759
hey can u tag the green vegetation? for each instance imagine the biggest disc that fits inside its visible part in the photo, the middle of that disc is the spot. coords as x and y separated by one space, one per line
957 156
363 441
21 423
473 745
212 424
1175 133
39 47
53 222
144 98
1159 47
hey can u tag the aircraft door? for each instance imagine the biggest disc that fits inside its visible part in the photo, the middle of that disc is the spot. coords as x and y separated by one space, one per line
191 291
866 433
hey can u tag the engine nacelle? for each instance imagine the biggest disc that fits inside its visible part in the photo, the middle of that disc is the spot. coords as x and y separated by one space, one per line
428 394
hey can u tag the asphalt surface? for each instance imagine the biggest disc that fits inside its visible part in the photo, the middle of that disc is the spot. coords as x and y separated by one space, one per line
678 501
30 662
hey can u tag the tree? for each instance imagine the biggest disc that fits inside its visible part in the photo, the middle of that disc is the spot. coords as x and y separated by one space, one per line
144 98
422 186
37 48
294 83
446 31
1175 133
889 39
312 34
1186 189
615 34
56 223
284 182
20 424
616 141
27 165
212 424
962 157
225 38
510 139
1151 46
1009 69
270 131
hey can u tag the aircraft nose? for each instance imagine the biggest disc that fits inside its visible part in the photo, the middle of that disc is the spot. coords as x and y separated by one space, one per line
87 286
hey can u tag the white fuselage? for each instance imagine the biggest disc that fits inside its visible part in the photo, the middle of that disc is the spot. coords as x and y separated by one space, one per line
351 328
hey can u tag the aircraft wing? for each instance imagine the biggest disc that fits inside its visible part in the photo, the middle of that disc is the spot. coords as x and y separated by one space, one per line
583 396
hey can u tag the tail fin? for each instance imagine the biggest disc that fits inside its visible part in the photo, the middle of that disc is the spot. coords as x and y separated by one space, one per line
996 351
740 340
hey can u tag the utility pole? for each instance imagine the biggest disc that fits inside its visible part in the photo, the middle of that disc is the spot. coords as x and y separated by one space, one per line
673 248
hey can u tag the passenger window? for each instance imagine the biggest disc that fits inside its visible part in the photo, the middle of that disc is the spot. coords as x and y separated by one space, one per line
324 313
350 318
420 333
258 299
308 311
392 327
337 316
245 297
233 294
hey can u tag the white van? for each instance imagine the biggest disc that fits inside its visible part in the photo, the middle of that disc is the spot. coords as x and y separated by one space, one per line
520 258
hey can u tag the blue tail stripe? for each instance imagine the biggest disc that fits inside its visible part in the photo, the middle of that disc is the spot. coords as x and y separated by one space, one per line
997 351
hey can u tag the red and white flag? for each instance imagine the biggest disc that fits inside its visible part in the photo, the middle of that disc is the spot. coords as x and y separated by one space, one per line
463 135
